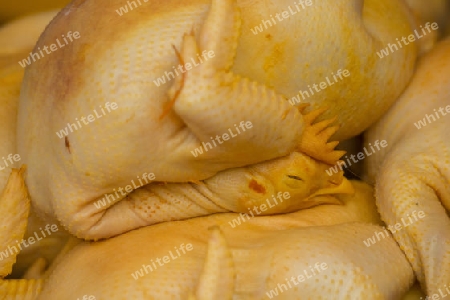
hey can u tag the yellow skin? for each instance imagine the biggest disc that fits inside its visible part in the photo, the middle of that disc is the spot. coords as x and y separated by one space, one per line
30 28
8 115
15 213
299 175
116 58
431 11
413 173
236 190
307 179
11 76
242 262
14 10
271 176
15 204
14 47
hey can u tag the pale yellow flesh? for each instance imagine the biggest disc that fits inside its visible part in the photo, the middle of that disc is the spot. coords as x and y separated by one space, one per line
7 123
250 78
21 34
264 250
413 174
431 11
13 48
15 206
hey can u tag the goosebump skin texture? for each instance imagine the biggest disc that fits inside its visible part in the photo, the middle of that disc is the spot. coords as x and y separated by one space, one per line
243 262
251 78
413 173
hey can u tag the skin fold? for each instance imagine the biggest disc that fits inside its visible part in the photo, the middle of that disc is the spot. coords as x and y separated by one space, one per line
431 11
179 201
413 173
154 129
243 262
298 177
243 272
267 53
